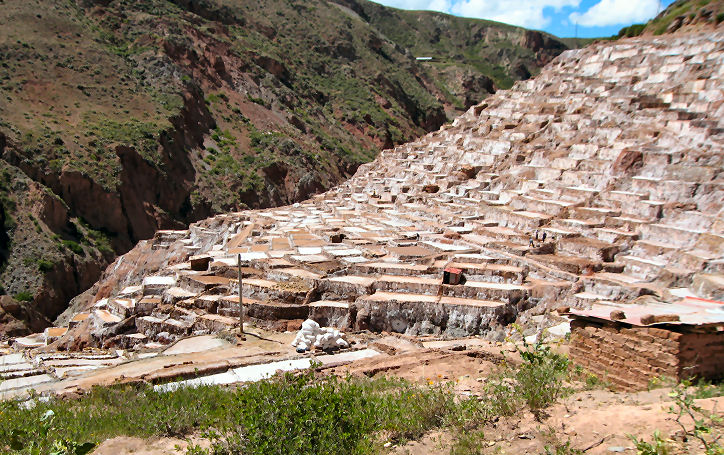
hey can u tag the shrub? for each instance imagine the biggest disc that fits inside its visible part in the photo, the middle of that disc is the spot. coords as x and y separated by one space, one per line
73 246
658 446
632 30
45 265
540 379
23 296
706 428
38 437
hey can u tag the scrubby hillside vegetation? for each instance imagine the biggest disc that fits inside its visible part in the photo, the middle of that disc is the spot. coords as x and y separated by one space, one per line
686 14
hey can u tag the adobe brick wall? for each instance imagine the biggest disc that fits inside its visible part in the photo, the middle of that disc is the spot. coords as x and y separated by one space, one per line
629 357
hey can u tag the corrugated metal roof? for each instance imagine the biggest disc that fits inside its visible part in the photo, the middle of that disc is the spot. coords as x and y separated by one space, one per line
691 311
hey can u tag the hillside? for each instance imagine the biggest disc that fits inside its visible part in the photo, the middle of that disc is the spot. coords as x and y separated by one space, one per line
599 182
681 16
119 118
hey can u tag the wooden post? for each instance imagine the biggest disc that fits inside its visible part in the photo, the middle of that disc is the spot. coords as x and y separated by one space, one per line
241 305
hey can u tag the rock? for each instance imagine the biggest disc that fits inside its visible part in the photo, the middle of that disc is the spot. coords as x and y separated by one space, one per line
675 24
710 286
627 162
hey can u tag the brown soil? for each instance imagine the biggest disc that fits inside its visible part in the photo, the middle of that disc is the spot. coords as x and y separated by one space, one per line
595 421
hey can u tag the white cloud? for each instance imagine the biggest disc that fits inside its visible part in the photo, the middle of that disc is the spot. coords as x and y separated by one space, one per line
439 5
616 12
525 13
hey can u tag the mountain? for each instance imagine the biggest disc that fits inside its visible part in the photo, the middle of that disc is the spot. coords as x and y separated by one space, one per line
119 118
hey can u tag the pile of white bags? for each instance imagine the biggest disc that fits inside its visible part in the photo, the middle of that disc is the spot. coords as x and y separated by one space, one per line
320 337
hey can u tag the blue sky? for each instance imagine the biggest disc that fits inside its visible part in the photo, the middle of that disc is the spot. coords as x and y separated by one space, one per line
595 18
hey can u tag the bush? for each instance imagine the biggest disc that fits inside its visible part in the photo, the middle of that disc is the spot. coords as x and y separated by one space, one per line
705 427
540 380
632 30
73 246
45 265
23 296
658 446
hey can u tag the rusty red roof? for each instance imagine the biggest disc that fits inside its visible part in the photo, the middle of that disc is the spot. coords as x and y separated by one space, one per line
690 310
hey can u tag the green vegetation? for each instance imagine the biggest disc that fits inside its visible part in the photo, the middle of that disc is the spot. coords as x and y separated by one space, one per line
539 381
660 24
73 246
45 265
707 427
35 440
631 30
318 414
23 296
657 446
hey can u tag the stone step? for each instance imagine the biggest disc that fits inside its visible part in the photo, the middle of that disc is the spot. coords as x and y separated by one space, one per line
329 313
502 233
646 269
628 223
571 264
523 220
652 249
419 314
590 248
291 292
503 292
152 326
586 299
663 190
597 214
614 286
122 307
549 207
494 273
618 236
174 295
619 198
198 283
580 194
214 323
155 285
648 210
389 268
697 260
675 236
576 224
347 287
104 318
410 284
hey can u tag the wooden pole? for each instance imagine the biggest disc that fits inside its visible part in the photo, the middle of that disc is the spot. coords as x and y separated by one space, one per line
241 305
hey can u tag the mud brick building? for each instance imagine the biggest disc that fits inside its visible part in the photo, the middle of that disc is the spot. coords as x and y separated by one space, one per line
629 345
